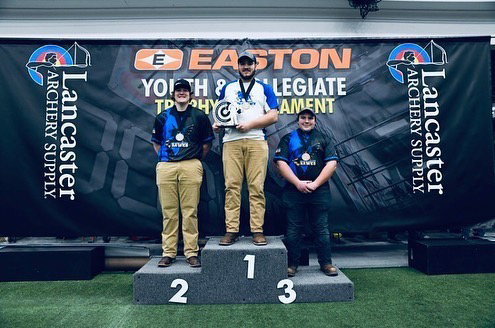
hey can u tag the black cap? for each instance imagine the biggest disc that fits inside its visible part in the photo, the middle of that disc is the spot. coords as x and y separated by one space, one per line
181 83
306 110
246 54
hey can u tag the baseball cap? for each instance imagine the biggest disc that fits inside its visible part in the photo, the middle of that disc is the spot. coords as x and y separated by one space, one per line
306 110
181 83
247 55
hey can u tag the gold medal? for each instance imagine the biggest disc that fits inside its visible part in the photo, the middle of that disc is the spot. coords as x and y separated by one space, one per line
306 157
245 105
179 137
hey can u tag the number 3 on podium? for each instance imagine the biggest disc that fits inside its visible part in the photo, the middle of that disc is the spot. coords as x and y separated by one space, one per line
290 293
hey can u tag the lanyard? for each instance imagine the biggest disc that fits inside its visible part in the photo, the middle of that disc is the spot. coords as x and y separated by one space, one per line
181 119
245 93
306 142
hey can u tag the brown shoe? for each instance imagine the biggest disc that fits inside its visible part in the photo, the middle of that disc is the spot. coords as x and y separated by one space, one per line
229 239
329 270
259 239
166 261
193 262
291 271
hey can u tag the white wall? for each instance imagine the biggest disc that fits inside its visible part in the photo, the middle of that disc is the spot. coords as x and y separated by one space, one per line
237 19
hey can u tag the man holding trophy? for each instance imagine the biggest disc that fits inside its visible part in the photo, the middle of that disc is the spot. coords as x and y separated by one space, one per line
246 106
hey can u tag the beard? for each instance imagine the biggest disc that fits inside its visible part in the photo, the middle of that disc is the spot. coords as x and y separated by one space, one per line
248 77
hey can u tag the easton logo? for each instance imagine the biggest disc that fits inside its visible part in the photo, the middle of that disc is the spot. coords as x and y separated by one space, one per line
158 59
209 59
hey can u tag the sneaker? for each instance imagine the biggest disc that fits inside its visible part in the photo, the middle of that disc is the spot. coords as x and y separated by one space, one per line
329 270
193 262
291 271
259 239
229 239
166 261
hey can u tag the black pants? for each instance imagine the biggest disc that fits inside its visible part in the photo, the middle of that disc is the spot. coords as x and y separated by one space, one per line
315 206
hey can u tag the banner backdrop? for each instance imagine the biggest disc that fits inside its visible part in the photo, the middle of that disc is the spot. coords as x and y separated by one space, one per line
411 120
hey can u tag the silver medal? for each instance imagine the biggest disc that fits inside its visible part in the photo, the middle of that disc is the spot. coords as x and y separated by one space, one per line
245 105
179 137
305 157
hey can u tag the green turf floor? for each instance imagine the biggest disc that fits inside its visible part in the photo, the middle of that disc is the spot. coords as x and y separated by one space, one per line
398 297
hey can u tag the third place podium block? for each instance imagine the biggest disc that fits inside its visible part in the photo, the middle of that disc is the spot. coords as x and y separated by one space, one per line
236 274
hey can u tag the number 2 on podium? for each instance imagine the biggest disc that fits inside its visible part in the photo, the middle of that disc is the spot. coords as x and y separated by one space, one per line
179 296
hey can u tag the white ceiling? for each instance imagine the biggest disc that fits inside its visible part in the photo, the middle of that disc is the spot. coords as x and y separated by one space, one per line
235 19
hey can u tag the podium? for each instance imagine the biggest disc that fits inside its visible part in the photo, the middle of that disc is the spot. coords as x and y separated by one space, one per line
238 274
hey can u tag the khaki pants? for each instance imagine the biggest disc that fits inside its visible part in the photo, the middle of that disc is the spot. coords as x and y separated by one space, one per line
249 157
178 186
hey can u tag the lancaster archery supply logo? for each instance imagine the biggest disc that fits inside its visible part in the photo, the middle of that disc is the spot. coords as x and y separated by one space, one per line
422 70
158 59
411 55
50 57
60 71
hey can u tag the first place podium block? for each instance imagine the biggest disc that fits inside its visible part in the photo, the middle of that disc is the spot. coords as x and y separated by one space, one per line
243 272
237 274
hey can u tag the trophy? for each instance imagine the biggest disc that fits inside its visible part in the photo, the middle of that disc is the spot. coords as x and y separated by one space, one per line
225 114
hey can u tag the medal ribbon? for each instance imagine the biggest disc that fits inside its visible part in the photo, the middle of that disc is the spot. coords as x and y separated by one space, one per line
181 119
245 93
306 142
